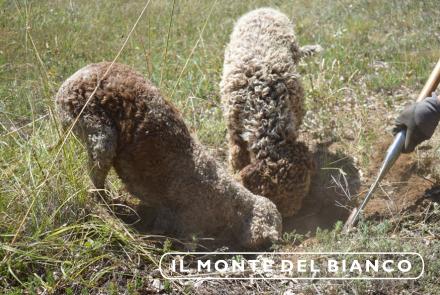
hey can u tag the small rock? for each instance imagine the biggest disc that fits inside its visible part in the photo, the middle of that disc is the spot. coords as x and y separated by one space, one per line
157 284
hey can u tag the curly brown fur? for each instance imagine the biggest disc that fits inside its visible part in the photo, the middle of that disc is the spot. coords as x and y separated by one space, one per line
263 101
128 125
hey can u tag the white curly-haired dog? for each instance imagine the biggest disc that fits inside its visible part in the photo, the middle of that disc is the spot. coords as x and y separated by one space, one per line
263 102
128 125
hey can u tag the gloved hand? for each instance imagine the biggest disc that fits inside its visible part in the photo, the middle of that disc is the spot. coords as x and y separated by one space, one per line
419 120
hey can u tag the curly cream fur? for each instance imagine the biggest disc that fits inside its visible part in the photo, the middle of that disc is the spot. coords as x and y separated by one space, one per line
263 102
128 125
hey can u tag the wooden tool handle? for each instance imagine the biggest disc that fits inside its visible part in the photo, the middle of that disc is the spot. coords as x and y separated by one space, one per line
431 84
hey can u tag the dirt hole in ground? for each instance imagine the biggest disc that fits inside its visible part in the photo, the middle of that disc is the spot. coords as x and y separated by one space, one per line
337 188
332 192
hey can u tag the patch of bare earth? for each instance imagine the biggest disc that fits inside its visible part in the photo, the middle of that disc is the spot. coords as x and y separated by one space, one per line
403 188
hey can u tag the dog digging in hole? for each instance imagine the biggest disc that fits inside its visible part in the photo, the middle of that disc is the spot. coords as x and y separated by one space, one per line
129 126
263 102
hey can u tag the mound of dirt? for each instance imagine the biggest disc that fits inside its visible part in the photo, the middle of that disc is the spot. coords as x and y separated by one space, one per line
336 188
403 187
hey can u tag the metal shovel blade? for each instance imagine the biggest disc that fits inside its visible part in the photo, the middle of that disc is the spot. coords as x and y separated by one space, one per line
393 152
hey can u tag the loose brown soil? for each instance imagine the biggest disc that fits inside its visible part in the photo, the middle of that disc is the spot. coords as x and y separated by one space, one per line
402 188
337 188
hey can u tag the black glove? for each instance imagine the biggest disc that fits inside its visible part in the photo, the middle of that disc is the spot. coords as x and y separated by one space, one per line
419 120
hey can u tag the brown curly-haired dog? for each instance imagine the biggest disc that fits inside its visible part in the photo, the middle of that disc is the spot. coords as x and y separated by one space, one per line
263 102
128 125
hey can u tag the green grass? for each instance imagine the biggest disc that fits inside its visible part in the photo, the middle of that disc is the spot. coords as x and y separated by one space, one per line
376 53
